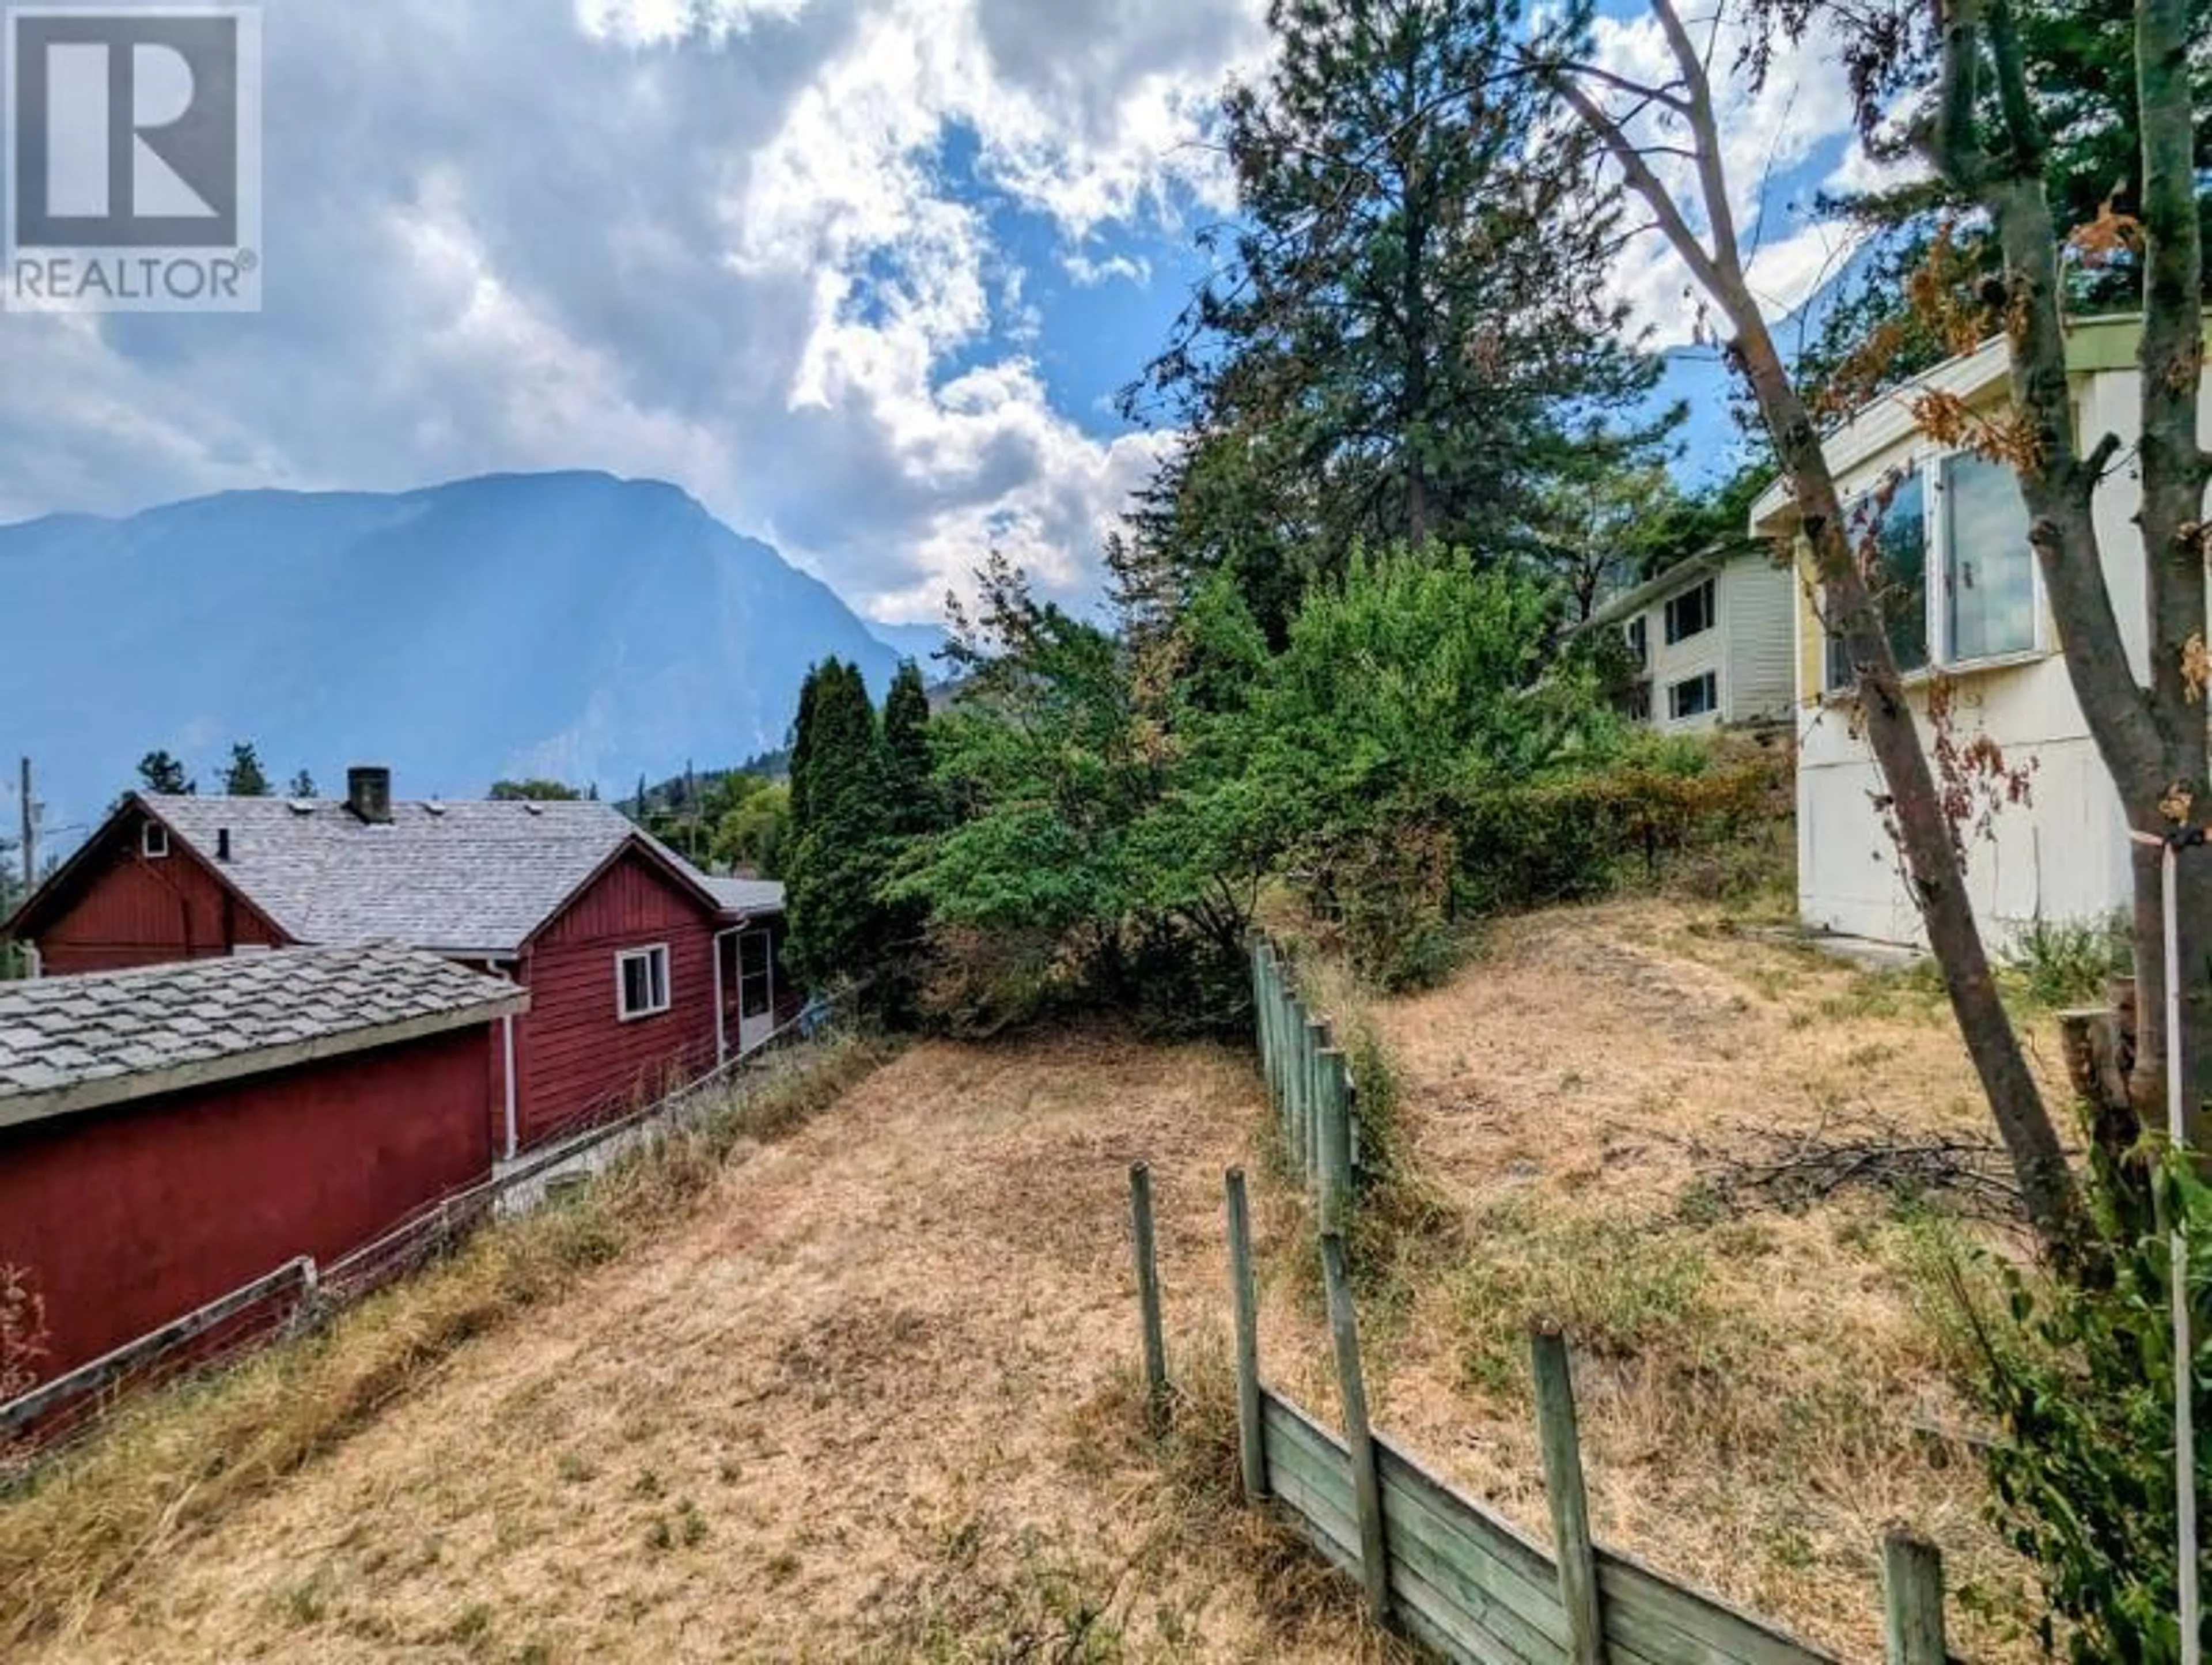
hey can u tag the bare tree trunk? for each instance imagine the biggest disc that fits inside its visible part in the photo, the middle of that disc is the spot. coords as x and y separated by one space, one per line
1926 838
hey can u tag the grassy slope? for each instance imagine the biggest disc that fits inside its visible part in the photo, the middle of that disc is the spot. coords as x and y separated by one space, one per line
866 1391
868 1397
1758 1387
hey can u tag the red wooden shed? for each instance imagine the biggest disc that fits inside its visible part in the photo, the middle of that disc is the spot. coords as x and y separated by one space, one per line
171 1133
641 969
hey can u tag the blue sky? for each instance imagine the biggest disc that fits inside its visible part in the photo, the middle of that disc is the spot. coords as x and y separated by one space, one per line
864 275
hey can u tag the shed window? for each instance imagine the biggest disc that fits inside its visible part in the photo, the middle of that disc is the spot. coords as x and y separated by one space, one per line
1694 697
1690 614
1888 531
1989 565
641 981
153 840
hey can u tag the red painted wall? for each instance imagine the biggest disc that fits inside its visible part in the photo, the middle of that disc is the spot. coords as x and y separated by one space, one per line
129 1217
130 909
576 1062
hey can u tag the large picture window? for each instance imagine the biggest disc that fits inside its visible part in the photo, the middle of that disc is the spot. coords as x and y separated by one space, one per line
1890 527
1988 566
642 982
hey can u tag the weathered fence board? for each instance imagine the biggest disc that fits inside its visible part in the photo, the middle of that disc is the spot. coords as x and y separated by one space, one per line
1309 1084
1468 1584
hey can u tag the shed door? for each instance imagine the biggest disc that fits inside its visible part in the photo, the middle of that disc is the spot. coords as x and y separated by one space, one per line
755 987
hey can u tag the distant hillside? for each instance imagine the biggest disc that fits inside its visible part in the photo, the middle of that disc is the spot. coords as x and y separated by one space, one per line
917 642
574 626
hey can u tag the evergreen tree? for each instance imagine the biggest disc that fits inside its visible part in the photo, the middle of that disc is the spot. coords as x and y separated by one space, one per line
164 776
302 785
908 791
1414 331
839 846
244 778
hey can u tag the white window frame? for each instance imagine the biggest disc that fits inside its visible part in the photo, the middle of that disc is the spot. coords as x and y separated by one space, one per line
153 840
1676 687
650 954
1939 594
1933 464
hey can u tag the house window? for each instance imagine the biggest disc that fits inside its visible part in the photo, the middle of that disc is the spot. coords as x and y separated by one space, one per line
641 981
1638 634
756 974
1694 697
1888 531
1690 613
153 840
1988 566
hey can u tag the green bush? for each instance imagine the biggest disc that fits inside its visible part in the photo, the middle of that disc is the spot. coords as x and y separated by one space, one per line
2082 1378
2067 963
1697 810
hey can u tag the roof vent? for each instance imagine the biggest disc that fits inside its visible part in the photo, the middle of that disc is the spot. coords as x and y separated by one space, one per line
301 805
223 843
532 807
433 807
368 794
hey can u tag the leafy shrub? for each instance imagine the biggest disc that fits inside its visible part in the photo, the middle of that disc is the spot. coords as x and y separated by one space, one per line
2081 1378
1713 815
2067 963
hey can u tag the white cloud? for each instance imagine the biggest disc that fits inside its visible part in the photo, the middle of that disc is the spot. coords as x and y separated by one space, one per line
1089 273
719 241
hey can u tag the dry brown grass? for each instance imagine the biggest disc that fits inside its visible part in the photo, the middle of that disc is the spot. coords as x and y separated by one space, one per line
869 1399
173 1467
1756 1388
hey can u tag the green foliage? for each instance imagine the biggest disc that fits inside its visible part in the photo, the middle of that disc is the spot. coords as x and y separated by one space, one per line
2067 963
244 777
1412 330
301 785
163 776
534 790
755 832
907 787
2081 1375
838 846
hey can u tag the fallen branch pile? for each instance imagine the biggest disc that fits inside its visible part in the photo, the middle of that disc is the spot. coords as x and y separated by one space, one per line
1865 1152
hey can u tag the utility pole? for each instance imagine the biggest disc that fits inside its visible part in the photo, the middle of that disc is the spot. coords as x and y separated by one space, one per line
30 834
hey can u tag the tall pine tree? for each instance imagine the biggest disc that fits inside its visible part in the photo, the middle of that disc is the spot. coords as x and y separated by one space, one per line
244 777
908 788
841 831
1412 331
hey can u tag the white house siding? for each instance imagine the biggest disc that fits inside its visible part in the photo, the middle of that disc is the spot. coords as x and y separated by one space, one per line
2064 855
2061 855
1757 600
1690 657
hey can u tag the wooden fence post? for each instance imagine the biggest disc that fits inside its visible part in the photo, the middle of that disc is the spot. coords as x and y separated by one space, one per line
1148 1295
1563 1481
1317 1092
1251 1439
1335 1139
1912 1595
1294 1070
1366 1485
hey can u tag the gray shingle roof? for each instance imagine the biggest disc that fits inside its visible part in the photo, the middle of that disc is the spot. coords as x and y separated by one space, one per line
464 878
75 1044
746 895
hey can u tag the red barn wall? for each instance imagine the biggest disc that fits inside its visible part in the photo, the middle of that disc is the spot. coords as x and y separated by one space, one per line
130 909
576 1061
129 1217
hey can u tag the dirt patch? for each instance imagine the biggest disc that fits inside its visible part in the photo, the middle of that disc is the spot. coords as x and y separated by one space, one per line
850 1411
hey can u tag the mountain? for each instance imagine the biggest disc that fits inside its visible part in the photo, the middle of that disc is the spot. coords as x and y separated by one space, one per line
917 642
570 625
